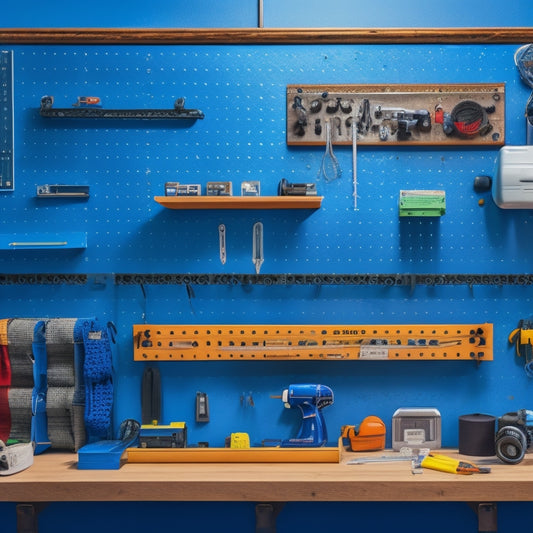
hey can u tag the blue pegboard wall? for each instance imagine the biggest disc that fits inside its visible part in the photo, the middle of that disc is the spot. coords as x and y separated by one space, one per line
241 90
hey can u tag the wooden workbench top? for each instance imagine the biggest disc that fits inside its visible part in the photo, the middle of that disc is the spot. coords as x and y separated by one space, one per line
55 477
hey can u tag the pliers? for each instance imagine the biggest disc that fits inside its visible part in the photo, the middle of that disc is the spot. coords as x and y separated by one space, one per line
444 463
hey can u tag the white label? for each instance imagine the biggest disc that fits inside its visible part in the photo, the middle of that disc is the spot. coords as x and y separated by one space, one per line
368 351
414 436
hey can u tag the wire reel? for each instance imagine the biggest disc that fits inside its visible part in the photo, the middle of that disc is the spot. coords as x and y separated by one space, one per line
470 118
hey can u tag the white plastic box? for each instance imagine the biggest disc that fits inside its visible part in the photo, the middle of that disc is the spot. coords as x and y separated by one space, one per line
512 187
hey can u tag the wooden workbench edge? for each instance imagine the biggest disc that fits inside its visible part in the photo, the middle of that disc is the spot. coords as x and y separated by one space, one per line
263 491
496 35
55 477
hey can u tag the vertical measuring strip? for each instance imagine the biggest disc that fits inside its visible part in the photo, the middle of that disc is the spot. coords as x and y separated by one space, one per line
7 179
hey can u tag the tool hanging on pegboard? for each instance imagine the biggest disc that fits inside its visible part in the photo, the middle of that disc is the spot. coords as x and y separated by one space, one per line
471 342
396 114
522 339
151 396
257 247
222 243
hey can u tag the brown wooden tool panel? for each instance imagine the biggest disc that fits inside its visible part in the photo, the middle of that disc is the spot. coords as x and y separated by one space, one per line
471 114
308 342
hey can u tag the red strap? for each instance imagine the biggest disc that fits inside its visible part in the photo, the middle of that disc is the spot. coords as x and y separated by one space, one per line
5 383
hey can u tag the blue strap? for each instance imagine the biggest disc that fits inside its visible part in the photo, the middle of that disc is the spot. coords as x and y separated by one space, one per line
39 423
98 377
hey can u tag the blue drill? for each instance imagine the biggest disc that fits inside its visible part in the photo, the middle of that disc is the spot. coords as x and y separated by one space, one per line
310 399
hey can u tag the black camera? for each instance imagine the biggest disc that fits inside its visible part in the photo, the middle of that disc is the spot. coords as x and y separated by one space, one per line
514 436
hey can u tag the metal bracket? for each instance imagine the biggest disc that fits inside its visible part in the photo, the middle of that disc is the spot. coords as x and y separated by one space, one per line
265 516
487 516
28 517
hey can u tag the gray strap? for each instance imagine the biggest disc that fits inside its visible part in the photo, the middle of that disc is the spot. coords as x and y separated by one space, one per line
65 395
66 429
20 337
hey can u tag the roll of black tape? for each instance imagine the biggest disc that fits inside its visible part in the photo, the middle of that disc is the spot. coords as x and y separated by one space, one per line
476 434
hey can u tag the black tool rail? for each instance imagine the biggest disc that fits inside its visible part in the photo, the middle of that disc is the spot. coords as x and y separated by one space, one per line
316 279
179 112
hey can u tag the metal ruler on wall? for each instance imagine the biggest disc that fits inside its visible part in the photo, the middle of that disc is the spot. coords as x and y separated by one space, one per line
313 342
7 178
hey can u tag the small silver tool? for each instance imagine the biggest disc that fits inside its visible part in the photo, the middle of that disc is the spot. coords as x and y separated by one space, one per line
55 191
381 459
39 243
406 454
257 253
222 243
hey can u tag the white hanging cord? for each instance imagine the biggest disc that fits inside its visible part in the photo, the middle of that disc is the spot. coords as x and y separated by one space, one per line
329 157
354 162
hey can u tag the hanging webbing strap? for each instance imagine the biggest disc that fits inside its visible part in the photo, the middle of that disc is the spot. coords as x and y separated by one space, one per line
19 337
65 379
39 421
98 377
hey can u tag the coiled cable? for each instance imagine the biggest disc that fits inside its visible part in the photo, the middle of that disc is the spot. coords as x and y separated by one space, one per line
470 118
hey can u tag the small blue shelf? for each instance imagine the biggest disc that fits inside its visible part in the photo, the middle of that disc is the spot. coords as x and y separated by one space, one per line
43 241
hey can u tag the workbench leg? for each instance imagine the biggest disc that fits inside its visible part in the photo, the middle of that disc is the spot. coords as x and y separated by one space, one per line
487 516
27 521
265 516
28 517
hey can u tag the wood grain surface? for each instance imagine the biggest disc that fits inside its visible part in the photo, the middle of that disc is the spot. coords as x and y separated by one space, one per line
55 477
266 35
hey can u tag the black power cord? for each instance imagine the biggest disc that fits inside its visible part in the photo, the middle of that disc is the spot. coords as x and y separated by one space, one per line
470 118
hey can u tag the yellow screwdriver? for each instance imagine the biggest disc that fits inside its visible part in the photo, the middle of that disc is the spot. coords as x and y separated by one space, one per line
443 463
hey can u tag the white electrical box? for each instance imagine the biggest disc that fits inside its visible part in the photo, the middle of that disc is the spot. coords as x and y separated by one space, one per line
512 187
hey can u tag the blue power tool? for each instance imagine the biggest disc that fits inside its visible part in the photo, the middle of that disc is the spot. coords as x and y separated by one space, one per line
310 399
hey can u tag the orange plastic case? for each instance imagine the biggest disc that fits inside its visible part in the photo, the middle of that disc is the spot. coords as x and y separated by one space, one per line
368 436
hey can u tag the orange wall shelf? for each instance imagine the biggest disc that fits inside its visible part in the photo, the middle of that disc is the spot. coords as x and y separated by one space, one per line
239 202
